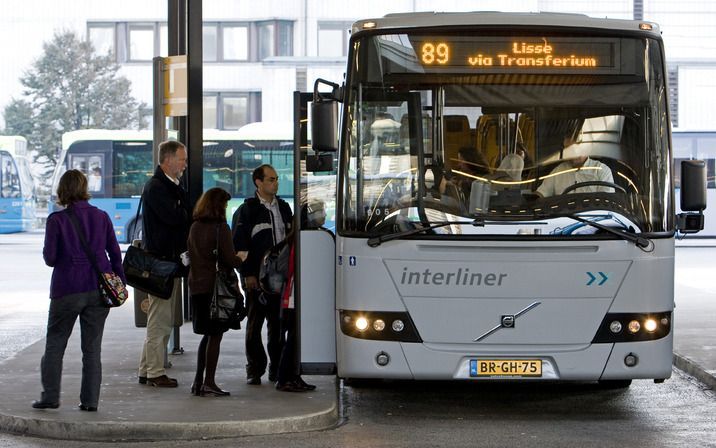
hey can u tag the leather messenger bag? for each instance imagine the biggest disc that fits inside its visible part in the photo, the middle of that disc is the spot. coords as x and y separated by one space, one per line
147 272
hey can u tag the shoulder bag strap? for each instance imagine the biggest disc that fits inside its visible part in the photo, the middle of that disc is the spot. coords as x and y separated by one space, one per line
83 240
139 207
216 251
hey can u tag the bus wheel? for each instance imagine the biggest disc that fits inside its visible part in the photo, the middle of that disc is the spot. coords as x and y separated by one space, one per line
614 384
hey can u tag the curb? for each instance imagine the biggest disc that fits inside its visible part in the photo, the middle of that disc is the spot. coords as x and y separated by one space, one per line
692 368
147 431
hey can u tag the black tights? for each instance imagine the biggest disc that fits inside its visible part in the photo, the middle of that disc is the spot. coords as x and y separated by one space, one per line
207 359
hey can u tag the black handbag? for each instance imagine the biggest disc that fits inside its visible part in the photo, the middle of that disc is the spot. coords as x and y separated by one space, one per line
227 302
149 273
113 291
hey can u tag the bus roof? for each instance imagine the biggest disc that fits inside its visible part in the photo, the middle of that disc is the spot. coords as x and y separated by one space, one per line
252 131
267 130
488 18
14 144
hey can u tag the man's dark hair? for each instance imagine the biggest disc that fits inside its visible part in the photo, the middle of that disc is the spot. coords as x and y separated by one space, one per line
259 172
168 148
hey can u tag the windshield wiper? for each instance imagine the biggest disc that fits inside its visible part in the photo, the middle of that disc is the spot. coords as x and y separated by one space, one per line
380 239
641 242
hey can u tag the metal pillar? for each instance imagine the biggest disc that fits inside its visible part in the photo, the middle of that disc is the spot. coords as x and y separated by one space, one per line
184 20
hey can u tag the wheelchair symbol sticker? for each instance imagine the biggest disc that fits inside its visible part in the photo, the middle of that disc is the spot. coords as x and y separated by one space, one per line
352 260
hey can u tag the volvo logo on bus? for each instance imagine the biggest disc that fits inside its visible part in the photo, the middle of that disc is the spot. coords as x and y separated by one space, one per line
506 321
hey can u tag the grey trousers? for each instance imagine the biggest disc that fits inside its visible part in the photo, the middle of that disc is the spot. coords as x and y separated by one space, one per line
62 317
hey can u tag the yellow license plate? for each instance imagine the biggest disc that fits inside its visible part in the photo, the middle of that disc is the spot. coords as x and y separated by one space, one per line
505 367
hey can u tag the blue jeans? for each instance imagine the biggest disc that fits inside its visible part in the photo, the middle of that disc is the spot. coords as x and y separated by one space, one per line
61 320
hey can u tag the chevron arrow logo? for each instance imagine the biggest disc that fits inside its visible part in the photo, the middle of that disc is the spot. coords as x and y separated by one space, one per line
591 279
599 281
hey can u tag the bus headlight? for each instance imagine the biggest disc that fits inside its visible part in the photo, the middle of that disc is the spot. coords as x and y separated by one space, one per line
379 325
374 325
361 323
634 326
615 326
639 327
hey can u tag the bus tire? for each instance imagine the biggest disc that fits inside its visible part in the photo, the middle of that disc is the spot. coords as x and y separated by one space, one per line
614 384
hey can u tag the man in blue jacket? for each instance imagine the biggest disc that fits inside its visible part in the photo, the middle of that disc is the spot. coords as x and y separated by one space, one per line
166 216
260 223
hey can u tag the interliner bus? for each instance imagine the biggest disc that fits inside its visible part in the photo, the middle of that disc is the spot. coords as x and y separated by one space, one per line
18 202
505 202
119 162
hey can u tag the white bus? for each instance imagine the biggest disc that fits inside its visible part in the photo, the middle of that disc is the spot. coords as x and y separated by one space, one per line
505 202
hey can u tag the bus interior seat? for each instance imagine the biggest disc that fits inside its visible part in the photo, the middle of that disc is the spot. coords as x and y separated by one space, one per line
456 132
487 137
526 133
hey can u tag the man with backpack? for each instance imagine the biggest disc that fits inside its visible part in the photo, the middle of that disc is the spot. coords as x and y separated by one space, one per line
258 224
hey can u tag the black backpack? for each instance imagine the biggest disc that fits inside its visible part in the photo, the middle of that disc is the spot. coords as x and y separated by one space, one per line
274 268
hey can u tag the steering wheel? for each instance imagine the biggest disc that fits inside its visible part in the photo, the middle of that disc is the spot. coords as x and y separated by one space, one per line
598 183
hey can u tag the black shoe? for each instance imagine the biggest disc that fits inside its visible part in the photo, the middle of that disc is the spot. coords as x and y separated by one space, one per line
209 391
45 405
87 408
304 384
290 386
196 389
253 380
142 379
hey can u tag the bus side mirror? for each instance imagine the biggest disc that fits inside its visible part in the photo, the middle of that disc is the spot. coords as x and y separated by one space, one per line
693 185
693 196
324 125
324 117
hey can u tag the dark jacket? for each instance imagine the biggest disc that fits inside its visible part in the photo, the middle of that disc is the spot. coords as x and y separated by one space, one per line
165 217
63 250
252 226
202 242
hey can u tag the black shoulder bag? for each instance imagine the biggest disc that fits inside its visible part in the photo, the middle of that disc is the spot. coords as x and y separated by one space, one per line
227 303
112 289
147 272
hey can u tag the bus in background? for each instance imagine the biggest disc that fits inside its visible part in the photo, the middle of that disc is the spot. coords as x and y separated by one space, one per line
505 202
119 162
17 189
698 145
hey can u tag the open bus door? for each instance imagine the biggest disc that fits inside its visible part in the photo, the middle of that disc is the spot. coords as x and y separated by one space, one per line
314 214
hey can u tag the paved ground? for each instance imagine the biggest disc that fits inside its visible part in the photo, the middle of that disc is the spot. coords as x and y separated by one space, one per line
129 411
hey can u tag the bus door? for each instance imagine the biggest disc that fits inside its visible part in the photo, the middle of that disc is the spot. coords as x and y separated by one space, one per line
314 209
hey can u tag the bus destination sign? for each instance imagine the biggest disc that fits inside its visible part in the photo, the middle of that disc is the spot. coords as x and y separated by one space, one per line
552 55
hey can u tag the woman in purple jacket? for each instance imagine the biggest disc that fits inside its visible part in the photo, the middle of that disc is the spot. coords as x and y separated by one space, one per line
74 290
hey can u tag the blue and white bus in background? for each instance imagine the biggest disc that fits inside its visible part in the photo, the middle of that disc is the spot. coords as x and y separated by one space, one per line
18 202
456 257
119 162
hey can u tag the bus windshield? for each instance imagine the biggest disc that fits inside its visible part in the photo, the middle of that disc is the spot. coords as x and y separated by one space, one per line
505 133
